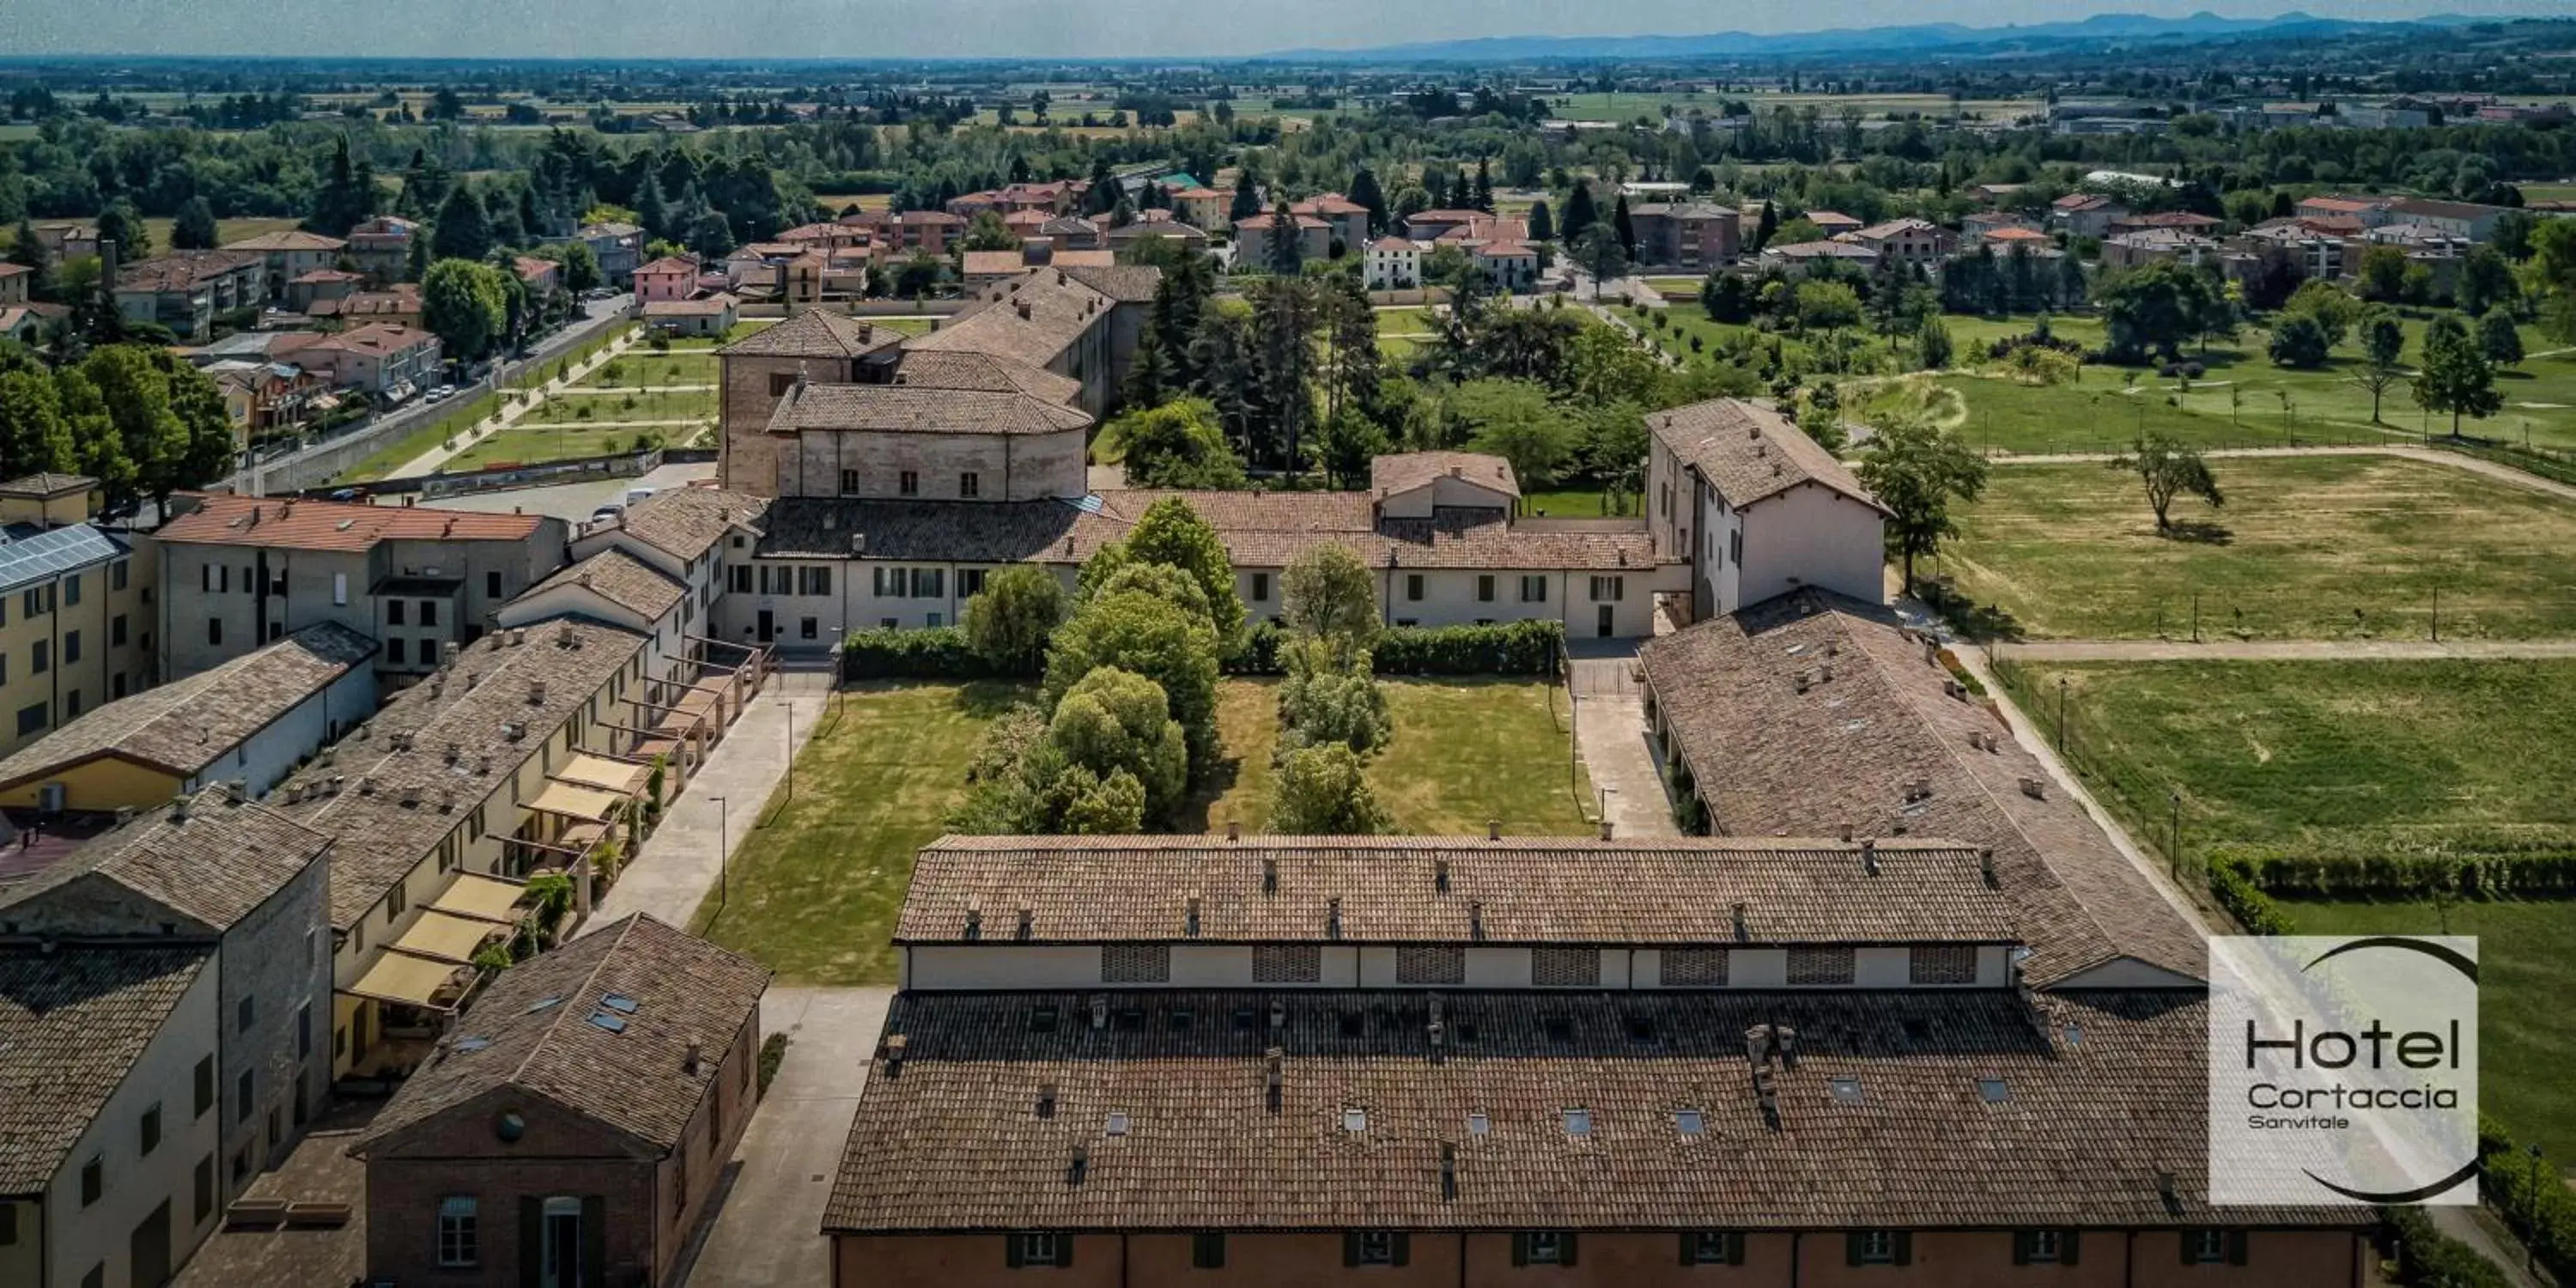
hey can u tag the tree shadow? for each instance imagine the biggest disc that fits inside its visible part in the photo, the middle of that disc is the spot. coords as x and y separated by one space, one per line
1980 623
2200 532
1192 816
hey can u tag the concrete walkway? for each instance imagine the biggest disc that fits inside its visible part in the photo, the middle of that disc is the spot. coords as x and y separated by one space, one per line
1610 734
509 414
2427 455
767 1230
2275 650
683 860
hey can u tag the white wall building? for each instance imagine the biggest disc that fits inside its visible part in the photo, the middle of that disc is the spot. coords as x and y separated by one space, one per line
1758 509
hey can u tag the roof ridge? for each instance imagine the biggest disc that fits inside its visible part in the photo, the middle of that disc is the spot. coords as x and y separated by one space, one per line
554 1023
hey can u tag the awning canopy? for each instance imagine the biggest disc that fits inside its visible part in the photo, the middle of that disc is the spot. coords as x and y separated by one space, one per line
401 977
444 938
572 800
482 898
619 776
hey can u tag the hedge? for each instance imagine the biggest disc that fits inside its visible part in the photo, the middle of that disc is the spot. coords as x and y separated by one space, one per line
2244 899
1505 648
936 653
2498 867
2505 1187
2428 1258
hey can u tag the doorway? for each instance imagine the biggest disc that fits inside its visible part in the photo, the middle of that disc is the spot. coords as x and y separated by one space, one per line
148 1250
560 1262
1607 613
768 626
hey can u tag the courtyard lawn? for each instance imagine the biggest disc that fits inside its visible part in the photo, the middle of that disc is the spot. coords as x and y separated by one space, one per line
1413 322
534 442
1469 752
584 405
1244 783
1578 505
644 369
908 323
817 880
2339 547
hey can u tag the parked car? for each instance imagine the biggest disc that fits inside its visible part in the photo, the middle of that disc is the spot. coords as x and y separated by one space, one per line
637 495
608 512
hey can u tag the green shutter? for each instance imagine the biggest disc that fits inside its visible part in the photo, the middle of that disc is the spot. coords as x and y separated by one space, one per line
1904 1247
1852 1248
1403 1247
594 1241
1011 1251
1565 1248
1520 1248
532 1241
2236 1247
2070 1247
1350 1247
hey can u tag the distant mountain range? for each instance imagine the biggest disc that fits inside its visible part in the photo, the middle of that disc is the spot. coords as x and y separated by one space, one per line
2121 28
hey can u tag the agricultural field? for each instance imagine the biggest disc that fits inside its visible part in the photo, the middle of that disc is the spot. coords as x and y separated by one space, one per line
2333 547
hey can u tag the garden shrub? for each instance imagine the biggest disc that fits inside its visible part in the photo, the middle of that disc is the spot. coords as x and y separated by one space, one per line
937 653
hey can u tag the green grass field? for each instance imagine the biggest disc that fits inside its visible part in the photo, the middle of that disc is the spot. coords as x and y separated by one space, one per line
583 405
1578 505
908 324
227 231
535 443
644 369
2349 760
1469 752
2306 548
1415 322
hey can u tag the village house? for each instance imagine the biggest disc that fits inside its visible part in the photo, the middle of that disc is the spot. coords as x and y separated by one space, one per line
1914 244
618 247
381 247
699 315
385 360
2157 246
76 607
1202 208
1756 509
189 291
1393 264
14 283
395 305
657 570
1834 223
288 255
322 286
669 278
2085 214
1692 235
910 232
1253 234
1509 265
1798 256
1347 221
1152 224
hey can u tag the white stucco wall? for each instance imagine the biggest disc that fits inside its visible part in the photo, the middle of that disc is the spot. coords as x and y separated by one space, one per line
1812 535
78 1238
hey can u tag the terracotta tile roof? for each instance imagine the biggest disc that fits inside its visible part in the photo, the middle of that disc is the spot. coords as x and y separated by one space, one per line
987 372
621 579
1830 219
1502 250
992 263
815 333
185 726
2428 208
323 276
183 270
1032 318
667 990
1523 890
1749 452
72 1022
2075 201
14 270
223 519
1069 226
2018 233
716 305
1328 204
1881 747
1820 250
1404 471
919 409
474 711
47 484
669 264
1897 228
2342 205
375 337
1125 283
215 862
964 531
2102 1092
686 522
287 239
1399 244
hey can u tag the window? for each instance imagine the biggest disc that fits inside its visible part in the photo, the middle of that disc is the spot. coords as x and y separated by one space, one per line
394 651
1040 1249
151 1129
1207 1252
738 579
304 1016
1735 546
393 612
244 1013
93 1180
1136 964
33 602
1820 966
1430 964
492 585
1878 1248
908 483
118 574
813 581
1534 589
116 631
429 612
1543 1248
1565 967
1942 964
31 717
2213 1247
1694 967
44 657
1375 1248
1413 586
1287 963
72 705
214 630
205 1086
807 628
1713 1248
8 1225
2045 1247
968 486
205 1187
459 1240
970 582
1260 587
780 382
929 583
71 590
246 1088
1484 588
71 647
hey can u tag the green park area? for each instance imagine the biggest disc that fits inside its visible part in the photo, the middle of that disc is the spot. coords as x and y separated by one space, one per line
2350 765
2320 547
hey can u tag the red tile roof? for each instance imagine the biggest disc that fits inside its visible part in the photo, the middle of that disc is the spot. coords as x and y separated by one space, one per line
225 520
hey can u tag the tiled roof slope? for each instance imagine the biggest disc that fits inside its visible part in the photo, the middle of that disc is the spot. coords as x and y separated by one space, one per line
686 522
815 333
2103 1092
1060 307
684 991
915 409
1749 452
216 862
224 519
1850 750
621 579
185 725
1081 889
990 373
72 1022
1404 471
470 707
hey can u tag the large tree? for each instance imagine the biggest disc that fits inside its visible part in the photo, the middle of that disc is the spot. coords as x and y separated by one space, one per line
465 305
2383 342
2154 310
2169 468
1179 444
1325 791
1917 468
195 227
1008 621
2456 376
122 224
163 418
1328 593
462 229
1170 532
27 251
1137 631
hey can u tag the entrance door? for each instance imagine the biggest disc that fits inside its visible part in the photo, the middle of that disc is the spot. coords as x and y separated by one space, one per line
1606 610
768 626
148 1250
560 1266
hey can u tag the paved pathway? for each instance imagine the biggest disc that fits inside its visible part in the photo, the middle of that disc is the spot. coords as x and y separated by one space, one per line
1610 733
2428 455
767 1231
509 414
2275 650
681 862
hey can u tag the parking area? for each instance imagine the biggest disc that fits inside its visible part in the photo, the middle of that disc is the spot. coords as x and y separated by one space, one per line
572 502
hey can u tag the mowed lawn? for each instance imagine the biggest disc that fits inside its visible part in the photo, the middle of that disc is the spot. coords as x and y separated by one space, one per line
817 882
2306 548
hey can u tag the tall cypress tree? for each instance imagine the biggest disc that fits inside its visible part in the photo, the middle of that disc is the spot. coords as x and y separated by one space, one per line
1541 227
1579 212
1365 192
28 251
1484 187
1625 228
463 230
1247 197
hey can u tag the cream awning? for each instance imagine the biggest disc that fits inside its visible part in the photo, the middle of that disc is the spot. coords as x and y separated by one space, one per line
481 897
608 775
445 938
573 800
401 977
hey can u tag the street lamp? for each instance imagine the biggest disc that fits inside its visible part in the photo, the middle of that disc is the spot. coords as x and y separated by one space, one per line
2531 1223
2176 797
724 852
2061 715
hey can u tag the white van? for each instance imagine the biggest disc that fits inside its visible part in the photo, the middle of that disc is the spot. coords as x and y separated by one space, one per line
637 495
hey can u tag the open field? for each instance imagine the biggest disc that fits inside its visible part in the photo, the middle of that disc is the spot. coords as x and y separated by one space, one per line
226 230
644 369
818 878
1470 752
533 442
2330 547
2353 759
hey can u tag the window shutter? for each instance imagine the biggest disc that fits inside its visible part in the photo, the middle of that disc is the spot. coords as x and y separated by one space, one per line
2021 1247
2236 1247
879 580
1690 1248
2070 1245
1350 1247
594 1242
1852 1248
532 1240
1011 1251
2183 1240
1520 1248
1403 1247
1064 1251
1565 1248
1905 1247
1735 1248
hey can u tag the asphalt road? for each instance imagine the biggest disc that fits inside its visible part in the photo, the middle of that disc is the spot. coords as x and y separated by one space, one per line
571 501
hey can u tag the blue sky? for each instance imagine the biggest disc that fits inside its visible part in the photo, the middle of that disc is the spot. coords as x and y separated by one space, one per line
994 28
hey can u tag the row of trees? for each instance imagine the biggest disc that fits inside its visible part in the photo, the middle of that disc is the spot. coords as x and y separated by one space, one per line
135 417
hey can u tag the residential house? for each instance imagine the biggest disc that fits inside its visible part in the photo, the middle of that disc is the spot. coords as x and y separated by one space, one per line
1433 225
28 324
619 247
1161 1060
1202 208
322 286
288 255
255 570
2007 242
244 890
14 281
1154 224
1509 265
1074 320
189 291
249 721
1996 194
1346 221
385 360
1253 237
1071 232
1756 508
541 277
2158 246
1978 225
2465 220
68 242
1058 197
2182 221
1801 255
759 369
911 232
76 608
381 247
2317 255
1393 264
671 277
1834 223
657 570
2369 211
1914 244
978 269
396 305
699 315
2086 214
1697 236
262 397
577 1126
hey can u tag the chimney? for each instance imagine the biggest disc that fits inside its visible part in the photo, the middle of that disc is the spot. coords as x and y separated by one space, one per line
1073 1172
1191 926
1448 1170
1233 830
1046 1101
1100 1010
1440 875
1606 826
1743 933
689 1062
1931 651
1027 927
1757 1045
1278 1013
179 809
974 919
1270 876
1787 1038
1847 833
896 1046
1869 856
1275 1074
1333 917
536 693
1986 865
1493 829
2034 788
1476 919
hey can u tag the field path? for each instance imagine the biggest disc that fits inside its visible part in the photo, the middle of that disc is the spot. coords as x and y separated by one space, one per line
2428 455
2275 650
